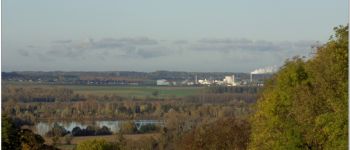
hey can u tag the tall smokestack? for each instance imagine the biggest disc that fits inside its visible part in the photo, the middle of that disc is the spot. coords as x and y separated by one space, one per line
251 77
195 78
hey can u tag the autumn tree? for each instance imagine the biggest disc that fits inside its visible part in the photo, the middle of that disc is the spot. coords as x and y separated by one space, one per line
225 133
14 138
304 106
9 134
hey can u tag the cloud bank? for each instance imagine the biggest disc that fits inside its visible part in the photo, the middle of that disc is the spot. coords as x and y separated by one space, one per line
148 54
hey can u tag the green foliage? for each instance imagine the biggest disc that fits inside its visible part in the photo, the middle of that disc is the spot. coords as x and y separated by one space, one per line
57 130
96 144
68 138
121 141
9 134
14 138
305 106
148 128
155 93
30 140
226 133
128 127
55 140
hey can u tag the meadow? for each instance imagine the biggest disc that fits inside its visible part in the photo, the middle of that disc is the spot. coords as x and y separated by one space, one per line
136 91
123 91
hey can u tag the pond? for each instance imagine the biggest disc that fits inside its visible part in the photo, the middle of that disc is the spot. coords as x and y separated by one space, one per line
43 127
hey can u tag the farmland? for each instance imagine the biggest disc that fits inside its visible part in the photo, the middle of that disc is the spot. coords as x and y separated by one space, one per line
137 91
123 91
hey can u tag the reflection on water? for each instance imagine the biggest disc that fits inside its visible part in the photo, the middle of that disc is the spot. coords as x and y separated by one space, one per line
43 127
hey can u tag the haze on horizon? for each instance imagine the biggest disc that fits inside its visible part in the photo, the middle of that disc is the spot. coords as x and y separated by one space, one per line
201 36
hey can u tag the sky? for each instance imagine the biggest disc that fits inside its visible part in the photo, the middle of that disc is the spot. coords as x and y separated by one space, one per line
151 35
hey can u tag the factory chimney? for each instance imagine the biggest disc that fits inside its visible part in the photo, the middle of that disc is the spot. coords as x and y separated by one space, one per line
251 77
195 80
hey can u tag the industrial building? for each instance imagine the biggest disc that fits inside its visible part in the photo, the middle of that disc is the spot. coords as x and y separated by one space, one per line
228 81
162 82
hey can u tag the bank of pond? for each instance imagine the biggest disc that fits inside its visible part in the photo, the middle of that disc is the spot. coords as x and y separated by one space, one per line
95 128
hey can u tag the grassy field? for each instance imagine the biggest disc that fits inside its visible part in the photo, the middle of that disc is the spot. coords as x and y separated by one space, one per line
137 92
124 91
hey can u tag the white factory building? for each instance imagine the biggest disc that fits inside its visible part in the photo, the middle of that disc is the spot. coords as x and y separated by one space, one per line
228 81
204 82
163 82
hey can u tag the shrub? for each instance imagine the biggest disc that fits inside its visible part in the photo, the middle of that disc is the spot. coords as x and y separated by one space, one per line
96 144
128 127
57 130
91 130
148 128
68 139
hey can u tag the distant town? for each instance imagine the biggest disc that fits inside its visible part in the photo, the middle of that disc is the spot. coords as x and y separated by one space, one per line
130 78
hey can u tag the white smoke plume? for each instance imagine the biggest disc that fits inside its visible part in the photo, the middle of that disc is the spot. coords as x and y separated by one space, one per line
270 69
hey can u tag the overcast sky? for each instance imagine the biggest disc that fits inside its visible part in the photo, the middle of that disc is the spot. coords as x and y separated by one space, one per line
150 35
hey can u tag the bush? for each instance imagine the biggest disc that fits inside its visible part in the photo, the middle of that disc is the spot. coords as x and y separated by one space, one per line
91 130
68 139
76 131
103 131
55 140
148 128
128 127
227 133
14 138
57 130
10 137
96 144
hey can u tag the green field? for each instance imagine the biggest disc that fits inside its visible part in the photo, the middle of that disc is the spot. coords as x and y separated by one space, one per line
123 91
136 91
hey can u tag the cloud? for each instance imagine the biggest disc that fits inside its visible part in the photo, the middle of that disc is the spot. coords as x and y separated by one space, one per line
151 53
139 47
224 41
65 51
121 42
303 44
23 52
31 46
43 57
143 52
180 42
143 47
138 41
62 41
228 45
